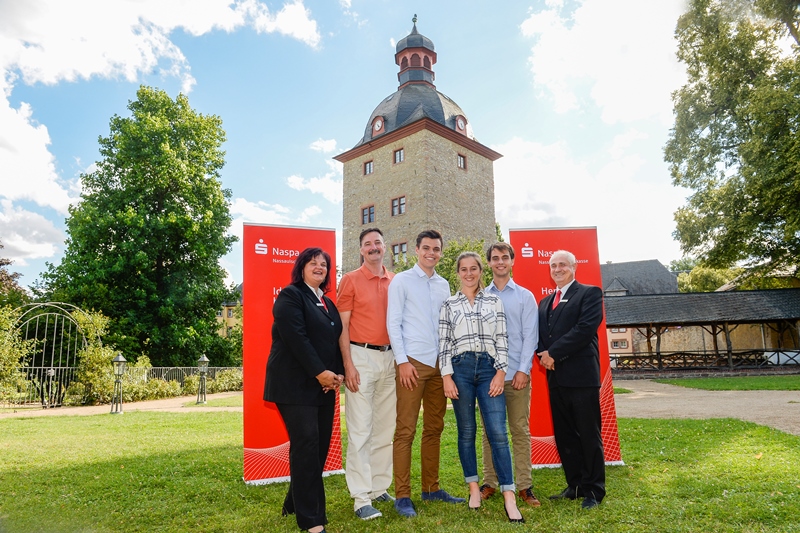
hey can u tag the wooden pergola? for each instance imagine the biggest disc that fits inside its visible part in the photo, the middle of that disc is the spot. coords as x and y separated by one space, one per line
716 313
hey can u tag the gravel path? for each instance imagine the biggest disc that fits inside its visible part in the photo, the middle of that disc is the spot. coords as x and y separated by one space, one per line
777 409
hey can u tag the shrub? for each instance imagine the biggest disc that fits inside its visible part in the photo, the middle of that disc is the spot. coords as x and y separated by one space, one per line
227 380
192 383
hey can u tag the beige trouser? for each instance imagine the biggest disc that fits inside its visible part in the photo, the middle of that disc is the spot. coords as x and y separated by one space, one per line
518 407
370 416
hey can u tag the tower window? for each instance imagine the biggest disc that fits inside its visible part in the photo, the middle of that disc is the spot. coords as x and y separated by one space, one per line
398 156
462 162
398 206
400 251
368 168
415 61
368 214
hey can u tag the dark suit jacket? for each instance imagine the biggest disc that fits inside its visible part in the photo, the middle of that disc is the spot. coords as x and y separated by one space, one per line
305 342
569 334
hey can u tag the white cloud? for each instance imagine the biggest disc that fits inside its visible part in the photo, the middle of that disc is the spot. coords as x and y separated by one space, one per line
546 185
28 168
323 145
263 213
293 20
327 186
27 235
620 54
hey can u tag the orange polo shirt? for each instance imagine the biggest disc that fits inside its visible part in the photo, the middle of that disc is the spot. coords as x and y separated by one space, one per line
366 296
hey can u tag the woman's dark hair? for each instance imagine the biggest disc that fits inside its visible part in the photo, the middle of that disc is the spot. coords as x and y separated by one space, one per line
305 258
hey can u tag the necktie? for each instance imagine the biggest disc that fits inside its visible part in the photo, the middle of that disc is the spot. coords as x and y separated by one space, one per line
557 298
323 303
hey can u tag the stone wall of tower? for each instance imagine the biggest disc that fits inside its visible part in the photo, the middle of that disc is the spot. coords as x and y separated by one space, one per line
439 195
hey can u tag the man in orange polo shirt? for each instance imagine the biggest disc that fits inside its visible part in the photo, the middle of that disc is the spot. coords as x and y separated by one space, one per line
369 377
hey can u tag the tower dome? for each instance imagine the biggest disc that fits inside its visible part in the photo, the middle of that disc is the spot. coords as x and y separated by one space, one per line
416 97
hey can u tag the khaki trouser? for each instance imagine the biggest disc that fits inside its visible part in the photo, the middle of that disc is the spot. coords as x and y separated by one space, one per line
518 407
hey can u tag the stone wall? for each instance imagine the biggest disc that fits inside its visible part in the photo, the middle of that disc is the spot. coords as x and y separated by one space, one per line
459 203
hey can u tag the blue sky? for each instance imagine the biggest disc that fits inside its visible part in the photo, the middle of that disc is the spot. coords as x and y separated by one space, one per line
574 93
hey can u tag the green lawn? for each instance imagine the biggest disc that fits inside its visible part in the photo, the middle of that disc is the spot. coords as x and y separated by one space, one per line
230 401
181 472
738 383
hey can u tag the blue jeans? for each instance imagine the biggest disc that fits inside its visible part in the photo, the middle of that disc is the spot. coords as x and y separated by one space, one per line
472 373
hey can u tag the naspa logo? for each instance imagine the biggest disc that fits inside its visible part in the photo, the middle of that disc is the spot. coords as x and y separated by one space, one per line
526 251
261 248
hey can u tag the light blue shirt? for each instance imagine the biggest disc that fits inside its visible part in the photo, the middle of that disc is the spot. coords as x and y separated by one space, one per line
522 319
412 316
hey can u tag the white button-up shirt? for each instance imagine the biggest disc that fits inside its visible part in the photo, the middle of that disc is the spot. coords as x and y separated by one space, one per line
412 316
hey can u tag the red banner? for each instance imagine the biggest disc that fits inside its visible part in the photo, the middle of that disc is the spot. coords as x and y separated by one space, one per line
532 270
269 255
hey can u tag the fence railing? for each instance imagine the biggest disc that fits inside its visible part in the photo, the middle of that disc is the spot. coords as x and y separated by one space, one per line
703 360
47 387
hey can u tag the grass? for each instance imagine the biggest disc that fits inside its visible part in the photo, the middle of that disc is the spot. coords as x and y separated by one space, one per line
181 472
789 383
229 401
620 390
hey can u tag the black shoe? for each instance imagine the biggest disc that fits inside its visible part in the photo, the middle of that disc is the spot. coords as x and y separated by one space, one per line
570 493
520 520
589 502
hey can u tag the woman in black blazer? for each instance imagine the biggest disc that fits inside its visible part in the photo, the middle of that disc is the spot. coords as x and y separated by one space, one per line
304 373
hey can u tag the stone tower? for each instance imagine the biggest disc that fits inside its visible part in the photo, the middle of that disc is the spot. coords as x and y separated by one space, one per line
418 165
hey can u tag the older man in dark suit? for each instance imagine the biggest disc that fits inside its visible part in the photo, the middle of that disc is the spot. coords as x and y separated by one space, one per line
568 349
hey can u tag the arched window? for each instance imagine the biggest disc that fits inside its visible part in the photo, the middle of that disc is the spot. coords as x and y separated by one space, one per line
404 63
427 62
415 60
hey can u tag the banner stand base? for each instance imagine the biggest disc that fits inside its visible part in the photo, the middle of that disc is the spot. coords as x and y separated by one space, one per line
558 465
285 479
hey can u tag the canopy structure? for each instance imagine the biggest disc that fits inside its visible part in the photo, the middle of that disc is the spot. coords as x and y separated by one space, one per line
768 323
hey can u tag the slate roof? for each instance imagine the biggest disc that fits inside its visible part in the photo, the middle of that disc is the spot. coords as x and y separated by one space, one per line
411 103
414 40
702 308
639 277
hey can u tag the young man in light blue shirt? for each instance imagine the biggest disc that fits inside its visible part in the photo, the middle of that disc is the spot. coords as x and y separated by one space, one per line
415 297
522 317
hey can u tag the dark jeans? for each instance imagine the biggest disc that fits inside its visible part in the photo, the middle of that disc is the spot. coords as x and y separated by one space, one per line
473 373
309 428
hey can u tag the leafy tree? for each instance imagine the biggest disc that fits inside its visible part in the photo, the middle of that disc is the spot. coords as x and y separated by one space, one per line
735 141
11 293
684 264
705 279
447 266
145 240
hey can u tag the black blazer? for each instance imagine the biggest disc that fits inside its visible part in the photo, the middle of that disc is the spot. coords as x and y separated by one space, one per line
305 342
569 334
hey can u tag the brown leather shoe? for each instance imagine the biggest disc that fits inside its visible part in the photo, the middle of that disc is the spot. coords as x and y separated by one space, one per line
529 497
486 492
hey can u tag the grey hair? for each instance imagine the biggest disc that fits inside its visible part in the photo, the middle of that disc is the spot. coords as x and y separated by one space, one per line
569 255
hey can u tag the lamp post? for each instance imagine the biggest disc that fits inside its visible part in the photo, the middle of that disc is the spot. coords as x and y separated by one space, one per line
119 371
202 365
